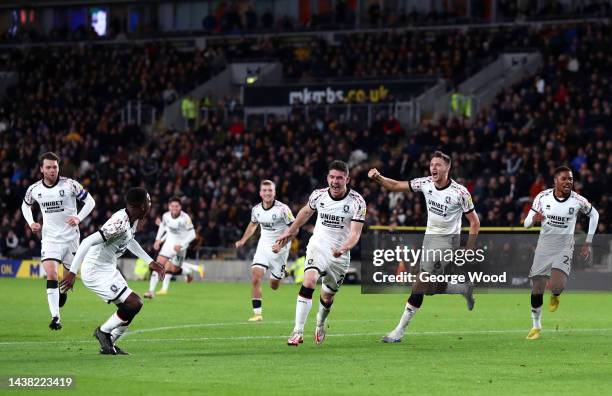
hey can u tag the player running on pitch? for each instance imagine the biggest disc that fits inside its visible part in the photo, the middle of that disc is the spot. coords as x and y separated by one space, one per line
556 209
446 201
340 217
176 232
56 197
98 254
274 217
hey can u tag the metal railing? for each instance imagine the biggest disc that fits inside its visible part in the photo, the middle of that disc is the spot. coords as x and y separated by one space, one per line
138 113
358 114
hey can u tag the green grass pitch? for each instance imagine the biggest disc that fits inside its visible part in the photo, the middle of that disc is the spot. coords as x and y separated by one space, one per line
196 340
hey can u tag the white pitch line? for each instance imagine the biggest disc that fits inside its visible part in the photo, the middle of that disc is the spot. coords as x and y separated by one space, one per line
243 338
222 324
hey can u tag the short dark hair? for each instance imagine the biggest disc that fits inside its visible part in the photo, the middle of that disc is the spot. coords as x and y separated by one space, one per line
175 199
560 169
136 196
445 157
49 155
339 166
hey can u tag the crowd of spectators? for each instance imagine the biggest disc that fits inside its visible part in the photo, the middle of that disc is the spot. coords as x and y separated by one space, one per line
504 156
240 17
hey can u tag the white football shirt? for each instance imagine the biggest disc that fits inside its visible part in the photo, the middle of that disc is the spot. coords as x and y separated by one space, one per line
56 203
445 206
334 217
272 221
177 229
117 234
560 214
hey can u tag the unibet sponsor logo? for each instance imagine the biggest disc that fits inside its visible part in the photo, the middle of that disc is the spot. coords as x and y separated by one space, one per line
436 207
332 221
558 221
52 206
265 225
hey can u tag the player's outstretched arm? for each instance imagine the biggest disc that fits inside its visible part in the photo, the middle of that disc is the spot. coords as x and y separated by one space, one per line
248 233
291 232
389 184
29 217
92 240
474 229
351 241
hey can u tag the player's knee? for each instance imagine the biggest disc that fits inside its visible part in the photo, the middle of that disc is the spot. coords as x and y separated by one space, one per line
327 300
538 285
274 284
310 279
51 273
129 309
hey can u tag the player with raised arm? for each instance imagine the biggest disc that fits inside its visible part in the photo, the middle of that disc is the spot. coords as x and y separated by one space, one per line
274 217
340 217
557 210
446 202
98 254
176 232
56 197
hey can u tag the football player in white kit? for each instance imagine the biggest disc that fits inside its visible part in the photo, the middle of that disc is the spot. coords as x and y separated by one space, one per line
446 202
176 232
98 254
340 216
556 209
274 217
56 197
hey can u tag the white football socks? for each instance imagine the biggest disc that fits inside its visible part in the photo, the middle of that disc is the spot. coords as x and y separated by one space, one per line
409 312
117 332
153 282
166 283
53 300
302 308
322 314
536 317
112 323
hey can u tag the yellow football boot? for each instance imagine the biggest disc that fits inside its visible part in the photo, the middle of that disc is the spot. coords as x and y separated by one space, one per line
554 303
534 333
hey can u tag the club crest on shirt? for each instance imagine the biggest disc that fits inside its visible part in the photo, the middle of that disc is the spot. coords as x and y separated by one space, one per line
448 200
274 217
61 193
322 204
39 195
430 192
571 210
345 209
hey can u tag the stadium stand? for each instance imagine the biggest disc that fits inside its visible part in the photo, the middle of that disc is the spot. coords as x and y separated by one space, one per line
67 101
